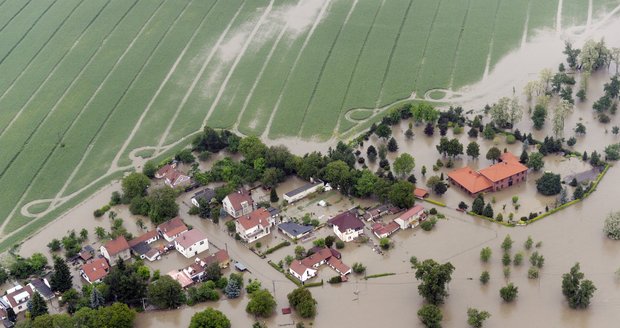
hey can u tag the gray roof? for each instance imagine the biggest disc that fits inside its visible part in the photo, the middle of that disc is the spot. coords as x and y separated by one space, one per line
42 288
141 248
294 229
207 194
301 189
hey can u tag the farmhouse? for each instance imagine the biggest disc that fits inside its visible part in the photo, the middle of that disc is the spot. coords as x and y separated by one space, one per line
411 218
42 286
116 249
493 178
191 243
295 230
382 230
206 195
255 225
95 271
172 229
17 297
303 191
238 203
347 226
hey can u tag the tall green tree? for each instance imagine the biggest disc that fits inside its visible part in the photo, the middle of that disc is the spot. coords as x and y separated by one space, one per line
434 278
430 315
36 306
162 204
166 293
494 154
536 161
135 185
261 304
473 150
209 318
302 301
96 298
61 279
476 318
577 291
401 194
478 205
403 165
366 183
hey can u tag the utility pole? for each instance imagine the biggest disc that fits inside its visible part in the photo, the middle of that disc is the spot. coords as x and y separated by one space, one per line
273 282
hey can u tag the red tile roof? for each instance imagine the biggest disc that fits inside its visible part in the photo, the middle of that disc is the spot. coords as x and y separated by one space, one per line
163 171
347 220
238 197
144 237
116 246
337 265
317 257
411 212
219 257
190 238
420 193
385 229
96 269
508 167
298 267
172 227
257 217
473 181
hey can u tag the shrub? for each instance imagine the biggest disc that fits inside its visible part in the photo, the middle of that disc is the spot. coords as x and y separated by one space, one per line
510 139
428 225
339 244
335 280
485 254
518 259
358 268
611 226
509 292
532 273
484 277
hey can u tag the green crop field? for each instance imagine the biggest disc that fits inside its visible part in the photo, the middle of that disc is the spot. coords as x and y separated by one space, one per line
88 86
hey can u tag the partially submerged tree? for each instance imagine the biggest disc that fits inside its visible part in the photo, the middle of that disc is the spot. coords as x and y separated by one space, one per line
577 291
612 226
434 277
430 315
476 318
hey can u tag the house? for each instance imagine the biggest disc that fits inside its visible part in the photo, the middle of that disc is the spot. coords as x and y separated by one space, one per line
42 286
376 212
164 170
493 178
153 255
382 230
17 297
195 271
301 271
254 225
147 237
238 203
172 177
220 257
317 259
207 195
338 266
116 249
420 193
303 191
95 271
347 226
411 218
181 277
191 243
295 230
171 229
140 246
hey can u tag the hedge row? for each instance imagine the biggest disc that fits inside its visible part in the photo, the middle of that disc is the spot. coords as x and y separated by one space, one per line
277 247
438 203
378 275
491 219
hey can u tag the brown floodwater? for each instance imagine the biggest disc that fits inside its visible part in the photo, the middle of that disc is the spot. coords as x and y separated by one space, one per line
572 235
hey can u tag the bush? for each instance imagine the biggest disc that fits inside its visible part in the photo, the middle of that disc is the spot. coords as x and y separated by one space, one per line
549 184
532 273
510 139
611 226
484 277
339 244
509 292
278 246
428 225
335 280
358 268
485 254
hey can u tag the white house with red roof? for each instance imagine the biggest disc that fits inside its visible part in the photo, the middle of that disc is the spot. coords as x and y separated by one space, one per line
382 230
17 297
191 243
254 225
347 226
411 218
171 229
238 203
301 271
116 249
95 271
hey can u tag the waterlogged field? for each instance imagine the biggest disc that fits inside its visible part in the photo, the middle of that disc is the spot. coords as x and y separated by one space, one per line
86 86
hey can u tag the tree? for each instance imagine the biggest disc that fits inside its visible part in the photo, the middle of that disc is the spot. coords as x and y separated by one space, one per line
538 116
273 196
478 205
493 154
430 315
392 145
100 233
485 254
611 226
577 291
507 243
36 306
549 184
185 156
440 188
213 272
401 194
302 301
118 315
484 277
403 165
209 318
579 192
488 132
612 152
476 318
166 293
271 177
96 298
135 185
536 161
434 278
537 260
488 211
383 131
429 129
559 115
252 148
232 289
473 150
261 304
371 153
338 173
366 183
162 204
571 55
509 292
358 268
61 279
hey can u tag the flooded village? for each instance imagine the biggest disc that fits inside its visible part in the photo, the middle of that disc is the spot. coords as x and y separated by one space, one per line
358 254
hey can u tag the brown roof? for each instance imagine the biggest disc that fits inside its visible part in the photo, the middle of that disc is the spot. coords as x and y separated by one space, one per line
11 296
508 167
86 255
347 220
116 246
298 267
473 181
420 193
238 197
338 265
163 171
190 238
144 237
172 227
96 269
317 257
411 212
259 216
219 257
382 229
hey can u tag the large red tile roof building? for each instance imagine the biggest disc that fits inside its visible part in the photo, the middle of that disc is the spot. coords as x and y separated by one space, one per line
493 178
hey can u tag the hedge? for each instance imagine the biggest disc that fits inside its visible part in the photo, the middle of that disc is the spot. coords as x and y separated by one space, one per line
378 275
438 203
491 219
277 247
293 279
314 284
275 266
